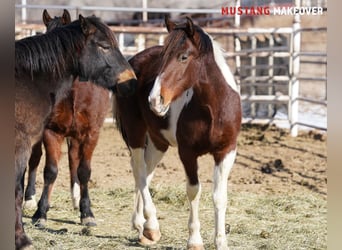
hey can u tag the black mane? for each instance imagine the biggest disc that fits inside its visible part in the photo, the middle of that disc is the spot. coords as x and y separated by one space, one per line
48 53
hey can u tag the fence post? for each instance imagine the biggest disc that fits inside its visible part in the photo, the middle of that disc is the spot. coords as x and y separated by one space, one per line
294 84
237 17
270 74
141 42
23 12
253 75
237 60
121 41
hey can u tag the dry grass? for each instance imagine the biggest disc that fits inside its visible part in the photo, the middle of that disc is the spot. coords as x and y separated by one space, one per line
255 221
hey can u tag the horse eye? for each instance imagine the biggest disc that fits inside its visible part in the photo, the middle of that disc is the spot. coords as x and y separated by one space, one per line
183 57
104 47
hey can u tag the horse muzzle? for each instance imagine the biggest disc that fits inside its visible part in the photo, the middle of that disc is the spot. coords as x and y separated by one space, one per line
157 105
126 84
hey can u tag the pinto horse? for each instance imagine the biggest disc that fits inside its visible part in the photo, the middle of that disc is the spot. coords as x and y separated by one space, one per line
78 117
45 67
187 98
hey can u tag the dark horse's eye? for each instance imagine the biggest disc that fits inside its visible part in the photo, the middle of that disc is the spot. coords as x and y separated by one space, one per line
103 47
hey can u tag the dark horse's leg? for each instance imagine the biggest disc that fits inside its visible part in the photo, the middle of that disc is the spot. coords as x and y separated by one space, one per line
30 199
74 161
52 143
84 171
22 153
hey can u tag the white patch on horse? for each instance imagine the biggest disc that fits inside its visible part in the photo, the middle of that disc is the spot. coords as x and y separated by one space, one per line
141 184
176 108
76 195
155 91
194 194
155 100
31 204
221 63
221 173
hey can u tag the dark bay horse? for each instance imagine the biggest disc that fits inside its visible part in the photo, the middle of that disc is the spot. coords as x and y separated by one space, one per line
187 97
78 116
45 67
30 192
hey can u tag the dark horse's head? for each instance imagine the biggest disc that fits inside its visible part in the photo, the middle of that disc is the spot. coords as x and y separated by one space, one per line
85 48
101 61
125 85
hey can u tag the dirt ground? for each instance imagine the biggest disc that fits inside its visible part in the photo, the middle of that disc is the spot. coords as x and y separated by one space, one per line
269 160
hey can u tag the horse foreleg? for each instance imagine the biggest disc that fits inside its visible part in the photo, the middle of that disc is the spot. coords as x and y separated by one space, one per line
21 240
84 172
152 157
74 161
52 143
193 191
221 173
149 232
30 193
194 194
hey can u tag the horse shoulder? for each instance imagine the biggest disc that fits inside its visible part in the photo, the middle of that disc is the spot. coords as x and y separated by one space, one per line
195 124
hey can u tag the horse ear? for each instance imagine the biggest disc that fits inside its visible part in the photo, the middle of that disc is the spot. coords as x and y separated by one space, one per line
66 17
46 17
169 24
84 25
189 27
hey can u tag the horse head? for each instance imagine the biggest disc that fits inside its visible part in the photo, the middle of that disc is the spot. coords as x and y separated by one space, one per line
101 61
180 64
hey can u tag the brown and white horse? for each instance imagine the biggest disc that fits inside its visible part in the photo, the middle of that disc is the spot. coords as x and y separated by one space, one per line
186 97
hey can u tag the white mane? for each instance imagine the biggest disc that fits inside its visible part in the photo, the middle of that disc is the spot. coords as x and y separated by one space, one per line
221 63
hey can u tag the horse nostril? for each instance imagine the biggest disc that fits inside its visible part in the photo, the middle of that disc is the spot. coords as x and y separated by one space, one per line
161 98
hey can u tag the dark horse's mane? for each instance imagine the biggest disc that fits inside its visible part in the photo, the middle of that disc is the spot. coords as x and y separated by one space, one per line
177 37
48 53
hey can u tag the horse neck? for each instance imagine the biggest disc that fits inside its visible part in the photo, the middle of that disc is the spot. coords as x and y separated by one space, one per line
216 78
211 85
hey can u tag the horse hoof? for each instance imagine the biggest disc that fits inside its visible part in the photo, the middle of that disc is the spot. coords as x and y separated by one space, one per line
30 204
195 247
153 235
89 222
29 247
222 247
143 241
23 243
39 223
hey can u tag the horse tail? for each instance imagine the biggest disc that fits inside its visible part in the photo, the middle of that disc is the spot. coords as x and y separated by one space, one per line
117 119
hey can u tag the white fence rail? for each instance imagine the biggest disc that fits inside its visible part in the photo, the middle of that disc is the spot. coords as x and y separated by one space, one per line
143 37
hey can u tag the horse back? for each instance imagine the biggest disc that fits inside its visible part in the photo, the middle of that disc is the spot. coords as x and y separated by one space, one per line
81 111
146 65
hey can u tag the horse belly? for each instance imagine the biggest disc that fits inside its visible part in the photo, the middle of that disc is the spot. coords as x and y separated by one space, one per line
31 113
